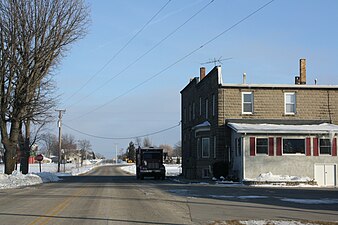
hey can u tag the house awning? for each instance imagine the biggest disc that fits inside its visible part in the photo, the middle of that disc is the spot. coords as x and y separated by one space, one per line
202 127
324 128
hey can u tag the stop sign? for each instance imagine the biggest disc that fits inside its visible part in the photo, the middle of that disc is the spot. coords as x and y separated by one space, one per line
39 157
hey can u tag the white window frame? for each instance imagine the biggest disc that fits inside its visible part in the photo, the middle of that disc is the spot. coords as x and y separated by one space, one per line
208 148
293 153
267 150
252 102
293 95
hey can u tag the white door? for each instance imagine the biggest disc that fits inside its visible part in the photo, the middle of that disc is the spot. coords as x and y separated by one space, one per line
325 174
330 175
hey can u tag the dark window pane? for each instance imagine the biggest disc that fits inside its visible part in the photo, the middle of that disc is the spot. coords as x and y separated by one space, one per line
293 146
247 97
262 146
325 146
247 107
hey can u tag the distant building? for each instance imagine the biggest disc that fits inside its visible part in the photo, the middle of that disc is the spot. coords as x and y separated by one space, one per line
243 130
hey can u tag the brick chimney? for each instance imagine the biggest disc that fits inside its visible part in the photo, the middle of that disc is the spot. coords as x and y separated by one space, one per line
302 71
202 73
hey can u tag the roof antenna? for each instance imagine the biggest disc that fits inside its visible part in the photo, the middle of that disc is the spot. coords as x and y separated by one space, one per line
215 61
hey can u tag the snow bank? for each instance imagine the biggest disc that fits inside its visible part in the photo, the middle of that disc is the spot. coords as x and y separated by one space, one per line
17 179
49 174
279 178
48 177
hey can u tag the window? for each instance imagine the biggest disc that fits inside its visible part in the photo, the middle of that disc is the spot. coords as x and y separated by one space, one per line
213 105
325 146
205 173
262 146
293 146
215 147
205 147
239 146
247 102
200 106
193 111
206 108
290 103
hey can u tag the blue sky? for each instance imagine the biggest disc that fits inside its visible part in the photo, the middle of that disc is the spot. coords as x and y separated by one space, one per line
267 46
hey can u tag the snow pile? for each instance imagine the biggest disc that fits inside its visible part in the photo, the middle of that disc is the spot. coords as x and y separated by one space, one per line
17 179
48 177
129 169
173 169
279 178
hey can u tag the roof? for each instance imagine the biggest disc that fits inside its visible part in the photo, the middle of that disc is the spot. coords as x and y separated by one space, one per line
324 128
205 126
273 86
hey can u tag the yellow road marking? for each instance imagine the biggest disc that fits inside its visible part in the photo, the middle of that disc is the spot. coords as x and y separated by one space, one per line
44 219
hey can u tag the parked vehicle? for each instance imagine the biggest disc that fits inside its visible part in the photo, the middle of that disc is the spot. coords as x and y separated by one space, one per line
149 163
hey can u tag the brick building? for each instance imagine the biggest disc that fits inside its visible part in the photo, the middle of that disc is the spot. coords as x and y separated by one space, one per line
213 115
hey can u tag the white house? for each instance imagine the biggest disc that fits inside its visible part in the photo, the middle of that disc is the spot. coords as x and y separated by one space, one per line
296 150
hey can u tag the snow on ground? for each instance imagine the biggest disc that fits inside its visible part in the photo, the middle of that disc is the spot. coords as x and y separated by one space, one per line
311 201
279 178
48 174
170 169
266 222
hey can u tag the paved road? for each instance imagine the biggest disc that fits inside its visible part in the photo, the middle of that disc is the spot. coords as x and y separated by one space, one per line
109 196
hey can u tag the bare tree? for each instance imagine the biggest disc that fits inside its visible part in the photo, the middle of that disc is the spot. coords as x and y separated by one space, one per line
167 149
85 146
50 142
138 141
146 142
178 149
34 35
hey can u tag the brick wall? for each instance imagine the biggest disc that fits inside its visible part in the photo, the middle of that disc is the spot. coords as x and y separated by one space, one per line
311 104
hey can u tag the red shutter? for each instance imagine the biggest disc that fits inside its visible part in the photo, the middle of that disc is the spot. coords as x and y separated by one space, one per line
308 146
252 146
334 147
279 146
315 147
271 146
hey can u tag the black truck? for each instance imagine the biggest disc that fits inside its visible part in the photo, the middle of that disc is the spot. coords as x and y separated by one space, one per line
149 163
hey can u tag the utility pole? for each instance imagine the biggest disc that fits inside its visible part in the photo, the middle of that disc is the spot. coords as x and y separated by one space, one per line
116 152
60 139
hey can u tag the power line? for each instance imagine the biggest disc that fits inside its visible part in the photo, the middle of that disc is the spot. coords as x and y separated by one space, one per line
144 54
119 51
179 60
122 138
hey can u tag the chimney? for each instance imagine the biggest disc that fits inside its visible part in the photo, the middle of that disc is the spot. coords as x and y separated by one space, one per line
244 78
202 73
297 80
302 71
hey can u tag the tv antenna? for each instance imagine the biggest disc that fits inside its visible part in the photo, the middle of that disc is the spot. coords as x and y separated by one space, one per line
216 61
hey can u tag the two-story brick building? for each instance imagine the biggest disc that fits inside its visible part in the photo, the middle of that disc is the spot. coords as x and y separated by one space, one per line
245 129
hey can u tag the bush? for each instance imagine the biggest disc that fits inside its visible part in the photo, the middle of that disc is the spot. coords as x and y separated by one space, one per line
220 169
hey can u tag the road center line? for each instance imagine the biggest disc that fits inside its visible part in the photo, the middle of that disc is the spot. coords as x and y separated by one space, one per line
44 219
